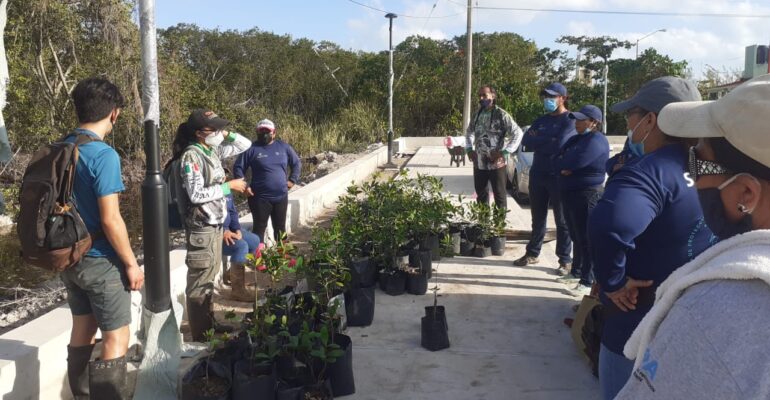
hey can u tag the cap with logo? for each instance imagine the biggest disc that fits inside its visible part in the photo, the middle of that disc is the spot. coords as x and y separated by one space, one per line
202 118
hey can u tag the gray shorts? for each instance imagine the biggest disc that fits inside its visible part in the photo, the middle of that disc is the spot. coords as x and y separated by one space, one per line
99 286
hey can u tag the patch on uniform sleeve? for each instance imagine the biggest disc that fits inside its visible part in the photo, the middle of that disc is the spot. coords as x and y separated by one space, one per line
647 371
188 168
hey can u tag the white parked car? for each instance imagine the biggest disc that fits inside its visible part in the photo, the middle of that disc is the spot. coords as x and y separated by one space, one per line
517 168
519 163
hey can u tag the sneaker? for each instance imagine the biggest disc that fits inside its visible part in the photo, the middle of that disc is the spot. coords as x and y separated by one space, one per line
581 290
525 260
564 268
568 279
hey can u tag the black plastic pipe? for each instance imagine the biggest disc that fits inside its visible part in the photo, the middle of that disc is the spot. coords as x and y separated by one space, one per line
155 226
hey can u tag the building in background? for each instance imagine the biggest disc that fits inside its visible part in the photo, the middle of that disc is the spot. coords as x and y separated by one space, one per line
756 64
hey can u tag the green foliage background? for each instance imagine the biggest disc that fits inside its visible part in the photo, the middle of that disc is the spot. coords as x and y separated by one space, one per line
249 75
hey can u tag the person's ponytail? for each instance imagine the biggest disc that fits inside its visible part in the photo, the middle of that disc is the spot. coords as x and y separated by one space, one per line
184 136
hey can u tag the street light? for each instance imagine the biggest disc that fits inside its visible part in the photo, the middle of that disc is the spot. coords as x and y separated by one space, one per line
389 164
647 35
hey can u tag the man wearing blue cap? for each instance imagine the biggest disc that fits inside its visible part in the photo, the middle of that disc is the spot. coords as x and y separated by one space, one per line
545 137
581 178
647 224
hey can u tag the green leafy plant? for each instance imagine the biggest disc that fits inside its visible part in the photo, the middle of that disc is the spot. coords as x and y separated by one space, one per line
498 220
481 215
276 261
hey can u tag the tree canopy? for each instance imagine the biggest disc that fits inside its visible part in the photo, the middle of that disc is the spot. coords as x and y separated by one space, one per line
320 95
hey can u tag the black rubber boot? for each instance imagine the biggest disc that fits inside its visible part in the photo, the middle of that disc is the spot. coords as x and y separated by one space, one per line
199 317
77 370
107 379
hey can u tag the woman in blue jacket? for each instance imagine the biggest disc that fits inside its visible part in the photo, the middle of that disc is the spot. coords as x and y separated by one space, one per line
581 163
275 169
236 243
647 224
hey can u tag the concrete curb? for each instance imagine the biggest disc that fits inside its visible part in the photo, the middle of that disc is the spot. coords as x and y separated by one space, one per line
33 357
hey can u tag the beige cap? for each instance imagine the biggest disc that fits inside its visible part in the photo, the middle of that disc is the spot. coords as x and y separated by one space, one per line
742 117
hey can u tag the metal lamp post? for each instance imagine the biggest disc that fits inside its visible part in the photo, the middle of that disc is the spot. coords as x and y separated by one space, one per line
389 164
645 36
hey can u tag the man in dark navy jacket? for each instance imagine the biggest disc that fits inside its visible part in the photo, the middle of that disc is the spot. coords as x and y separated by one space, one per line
275 168
546 136
648 223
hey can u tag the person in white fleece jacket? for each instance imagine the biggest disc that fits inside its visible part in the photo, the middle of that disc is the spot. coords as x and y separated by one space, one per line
706 336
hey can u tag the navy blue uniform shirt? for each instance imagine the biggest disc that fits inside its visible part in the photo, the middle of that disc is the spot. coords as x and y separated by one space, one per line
585 155
270 169
545 137
647 224
232 223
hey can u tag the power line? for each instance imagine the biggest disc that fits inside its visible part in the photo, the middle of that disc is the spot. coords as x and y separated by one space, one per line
407 64
613 12
403 15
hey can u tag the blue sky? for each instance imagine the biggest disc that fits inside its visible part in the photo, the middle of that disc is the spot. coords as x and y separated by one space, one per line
703 42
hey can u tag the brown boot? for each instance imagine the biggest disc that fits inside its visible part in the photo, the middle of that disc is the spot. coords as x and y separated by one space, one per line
238 284
226 276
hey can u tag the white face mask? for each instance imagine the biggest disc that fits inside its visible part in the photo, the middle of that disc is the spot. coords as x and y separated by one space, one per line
215 139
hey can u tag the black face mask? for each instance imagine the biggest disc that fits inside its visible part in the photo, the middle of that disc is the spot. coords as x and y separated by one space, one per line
714 215
263 137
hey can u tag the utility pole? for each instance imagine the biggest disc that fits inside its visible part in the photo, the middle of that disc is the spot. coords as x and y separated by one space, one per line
468 71
390 164
606 82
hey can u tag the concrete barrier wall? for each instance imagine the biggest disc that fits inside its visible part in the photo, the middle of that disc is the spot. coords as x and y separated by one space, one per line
33 357
409 144
309 201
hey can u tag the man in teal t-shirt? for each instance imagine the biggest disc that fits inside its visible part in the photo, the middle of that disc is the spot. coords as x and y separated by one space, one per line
98 287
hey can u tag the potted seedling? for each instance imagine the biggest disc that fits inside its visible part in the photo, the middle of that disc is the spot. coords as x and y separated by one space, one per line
332 357
497 240
481 215
208 379
254 377
434 328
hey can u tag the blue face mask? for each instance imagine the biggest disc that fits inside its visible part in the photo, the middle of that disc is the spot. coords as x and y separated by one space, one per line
714 213
587 131
485 103
550 104
637 149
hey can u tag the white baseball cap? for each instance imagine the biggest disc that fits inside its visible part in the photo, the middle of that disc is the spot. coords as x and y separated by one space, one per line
266 124
741 117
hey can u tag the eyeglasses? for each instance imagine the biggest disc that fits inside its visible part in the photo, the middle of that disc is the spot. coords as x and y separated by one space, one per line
698 167
631 112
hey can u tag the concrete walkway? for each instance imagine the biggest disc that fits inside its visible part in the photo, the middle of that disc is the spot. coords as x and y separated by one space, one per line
505 325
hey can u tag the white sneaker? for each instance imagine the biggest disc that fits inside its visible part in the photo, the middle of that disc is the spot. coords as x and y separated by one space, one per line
567 279
581 290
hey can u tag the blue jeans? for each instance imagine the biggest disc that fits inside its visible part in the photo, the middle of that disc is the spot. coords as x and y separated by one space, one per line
238 250
542 191
614 371
577 205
